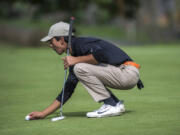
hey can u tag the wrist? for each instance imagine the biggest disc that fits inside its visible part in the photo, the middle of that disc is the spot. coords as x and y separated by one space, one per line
78 60
43 114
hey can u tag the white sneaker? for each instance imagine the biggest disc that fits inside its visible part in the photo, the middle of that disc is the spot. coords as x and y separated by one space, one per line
101 108
121 107
104 111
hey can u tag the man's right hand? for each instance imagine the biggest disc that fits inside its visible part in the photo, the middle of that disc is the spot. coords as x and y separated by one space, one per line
36 115
42 114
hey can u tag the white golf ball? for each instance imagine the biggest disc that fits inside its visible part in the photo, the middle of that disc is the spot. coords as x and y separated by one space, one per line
27 117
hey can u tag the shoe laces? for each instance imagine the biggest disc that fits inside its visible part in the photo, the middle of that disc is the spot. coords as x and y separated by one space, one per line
104 106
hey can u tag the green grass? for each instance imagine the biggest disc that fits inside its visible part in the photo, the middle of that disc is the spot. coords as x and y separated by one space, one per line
106 31
27 24
31 78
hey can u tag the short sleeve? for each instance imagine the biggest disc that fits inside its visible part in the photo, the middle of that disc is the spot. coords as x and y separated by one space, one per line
96 51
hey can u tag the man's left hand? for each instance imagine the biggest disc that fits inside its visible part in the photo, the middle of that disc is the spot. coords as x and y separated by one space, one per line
69 61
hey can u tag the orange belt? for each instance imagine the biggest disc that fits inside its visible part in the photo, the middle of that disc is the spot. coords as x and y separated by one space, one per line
132 64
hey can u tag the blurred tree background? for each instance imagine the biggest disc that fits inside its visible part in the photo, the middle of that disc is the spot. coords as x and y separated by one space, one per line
123 21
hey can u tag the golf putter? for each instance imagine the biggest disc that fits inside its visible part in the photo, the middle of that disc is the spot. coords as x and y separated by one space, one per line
61 117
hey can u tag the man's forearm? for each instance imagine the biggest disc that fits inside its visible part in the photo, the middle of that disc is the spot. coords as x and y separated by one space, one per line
71 60
86 59
51 108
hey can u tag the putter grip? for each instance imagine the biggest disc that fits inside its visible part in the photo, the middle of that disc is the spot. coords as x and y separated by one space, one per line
70 31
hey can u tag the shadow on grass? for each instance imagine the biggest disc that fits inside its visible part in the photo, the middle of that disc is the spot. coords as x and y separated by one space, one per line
68 114
75 114
79 114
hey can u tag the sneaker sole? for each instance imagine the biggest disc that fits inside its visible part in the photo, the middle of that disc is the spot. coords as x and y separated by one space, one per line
110 115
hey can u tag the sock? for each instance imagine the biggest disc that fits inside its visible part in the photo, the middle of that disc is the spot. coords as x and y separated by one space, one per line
110 101
113 96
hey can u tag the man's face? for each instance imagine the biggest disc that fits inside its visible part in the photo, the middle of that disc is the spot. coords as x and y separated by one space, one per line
58 46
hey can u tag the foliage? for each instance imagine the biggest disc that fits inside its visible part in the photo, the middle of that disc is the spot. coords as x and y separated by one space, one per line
107 9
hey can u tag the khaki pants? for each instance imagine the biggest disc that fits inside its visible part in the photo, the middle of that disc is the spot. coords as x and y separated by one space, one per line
96 78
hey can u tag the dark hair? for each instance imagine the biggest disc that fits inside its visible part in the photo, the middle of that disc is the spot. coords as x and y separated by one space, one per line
65 38
57 38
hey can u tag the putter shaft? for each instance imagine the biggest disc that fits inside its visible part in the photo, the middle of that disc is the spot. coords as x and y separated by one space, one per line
65 76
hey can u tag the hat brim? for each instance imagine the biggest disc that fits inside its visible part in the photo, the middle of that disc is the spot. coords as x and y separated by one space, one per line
45 39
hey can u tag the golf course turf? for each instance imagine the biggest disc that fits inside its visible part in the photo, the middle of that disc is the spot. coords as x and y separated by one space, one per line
31 78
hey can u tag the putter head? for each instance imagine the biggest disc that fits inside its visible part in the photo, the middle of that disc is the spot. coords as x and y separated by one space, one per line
57 118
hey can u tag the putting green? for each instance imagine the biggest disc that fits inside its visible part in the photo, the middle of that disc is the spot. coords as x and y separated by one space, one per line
31 78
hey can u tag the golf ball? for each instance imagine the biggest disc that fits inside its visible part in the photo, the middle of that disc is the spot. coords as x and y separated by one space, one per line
27 117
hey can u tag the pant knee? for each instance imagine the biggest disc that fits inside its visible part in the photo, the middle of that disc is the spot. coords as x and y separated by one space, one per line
80 69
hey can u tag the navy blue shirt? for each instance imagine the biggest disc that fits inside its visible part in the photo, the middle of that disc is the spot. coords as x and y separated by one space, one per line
103 52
